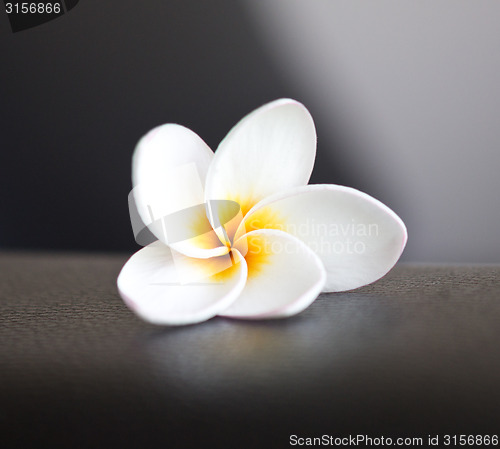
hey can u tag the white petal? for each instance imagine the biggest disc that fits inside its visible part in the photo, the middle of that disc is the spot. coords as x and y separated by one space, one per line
358 238
270 150
152 284
169 170
284 276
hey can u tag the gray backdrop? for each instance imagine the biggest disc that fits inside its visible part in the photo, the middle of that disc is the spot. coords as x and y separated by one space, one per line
405 96
412 90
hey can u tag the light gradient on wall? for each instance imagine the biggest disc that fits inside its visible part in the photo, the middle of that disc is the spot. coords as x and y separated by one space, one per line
413 87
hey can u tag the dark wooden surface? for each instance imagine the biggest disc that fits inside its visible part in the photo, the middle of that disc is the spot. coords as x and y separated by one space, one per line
414 354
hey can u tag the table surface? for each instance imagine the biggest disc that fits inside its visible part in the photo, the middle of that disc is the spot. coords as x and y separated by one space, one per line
414 354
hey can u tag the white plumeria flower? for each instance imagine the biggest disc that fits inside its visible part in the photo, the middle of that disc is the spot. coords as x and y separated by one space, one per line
288 242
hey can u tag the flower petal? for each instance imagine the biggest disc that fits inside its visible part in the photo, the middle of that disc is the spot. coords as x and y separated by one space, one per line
358 238
284 276
270 150
169 169
152 283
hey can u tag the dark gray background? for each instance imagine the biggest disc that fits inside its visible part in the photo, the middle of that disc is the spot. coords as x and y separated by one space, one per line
78 92
405 96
